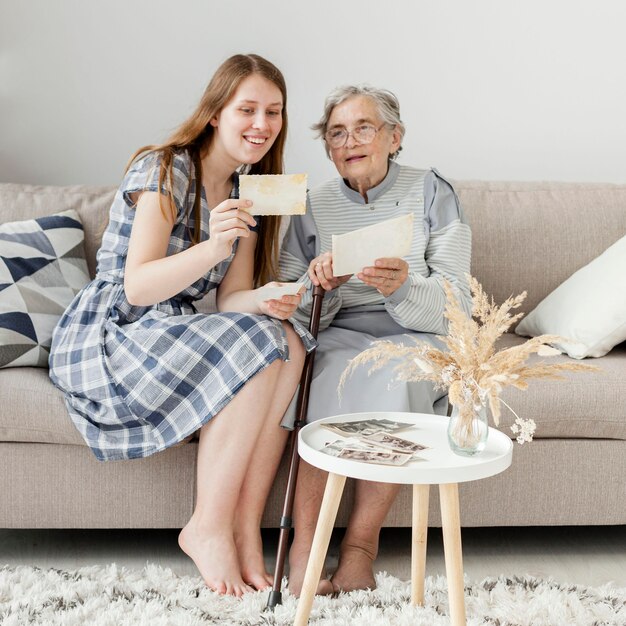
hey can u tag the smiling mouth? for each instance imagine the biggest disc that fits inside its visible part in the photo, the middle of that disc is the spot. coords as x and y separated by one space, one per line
257 141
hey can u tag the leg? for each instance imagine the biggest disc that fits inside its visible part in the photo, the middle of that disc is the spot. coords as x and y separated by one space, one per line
227 445
418 544
328 514
359 547
247 530
262 469
306 508
451 523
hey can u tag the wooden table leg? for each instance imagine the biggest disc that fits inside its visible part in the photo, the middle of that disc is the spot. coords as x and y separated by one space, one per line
319 548
451 524
418 544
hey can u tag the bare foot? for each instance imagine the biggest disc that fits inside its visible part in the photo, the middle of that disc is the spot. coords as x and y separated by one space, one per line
215 556
298 559
250 551
355 570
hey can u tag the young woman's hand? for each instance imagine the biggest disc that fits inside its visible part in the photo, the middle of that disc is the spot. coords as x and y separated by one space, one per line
227 221
282 308
321 272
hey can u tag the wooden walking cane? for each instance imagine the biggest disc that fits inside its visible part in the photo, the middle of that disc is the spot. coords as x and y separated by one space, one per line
275 596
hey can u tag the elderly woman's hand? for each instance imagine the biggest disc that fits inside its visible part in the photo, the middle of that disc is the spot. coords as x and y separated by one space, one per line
386 276
321 272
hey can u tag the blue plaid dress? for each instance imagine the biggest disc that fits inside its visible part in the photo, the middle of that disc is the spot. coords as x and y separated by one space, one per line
138 379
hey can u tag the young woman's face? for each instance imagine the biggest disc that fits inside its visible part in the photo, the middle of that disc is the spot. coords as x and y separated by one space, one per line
248 125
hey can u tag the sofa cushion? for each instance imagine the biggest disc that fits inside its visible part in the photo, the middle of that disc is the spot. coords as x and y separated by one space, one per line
42 268
583 405
589 308
32 409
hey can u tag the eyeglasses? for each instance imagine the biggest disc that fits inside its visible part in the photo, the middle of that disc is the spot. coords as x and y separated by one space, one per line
364 134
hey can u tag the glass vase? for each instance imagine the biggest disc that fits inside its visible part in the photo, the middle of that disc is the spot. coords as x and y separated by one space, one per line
468 429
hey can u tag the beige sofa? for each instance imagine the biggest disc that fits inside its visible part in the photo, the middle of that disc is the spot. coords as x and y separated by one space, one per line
526 236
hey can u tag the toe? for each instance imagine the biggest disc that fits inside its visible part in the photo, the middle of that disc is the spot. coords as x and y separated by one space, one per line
221 588
259 582
325 588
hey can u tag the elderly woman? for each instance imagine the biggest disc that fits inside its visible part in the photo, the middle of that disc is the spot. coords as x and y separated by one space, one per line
362 134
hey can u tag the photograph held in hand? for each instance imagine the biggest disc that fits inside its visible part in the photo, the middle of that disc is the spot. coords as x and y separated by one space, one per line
360 248
274 194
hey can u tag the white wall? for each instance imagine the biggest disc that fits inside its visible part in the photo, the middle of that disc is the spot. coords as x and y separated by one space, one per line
489 89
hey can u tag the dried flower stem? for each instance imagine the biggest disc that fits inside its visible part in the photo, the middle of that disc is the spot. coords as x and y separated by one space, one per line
471 369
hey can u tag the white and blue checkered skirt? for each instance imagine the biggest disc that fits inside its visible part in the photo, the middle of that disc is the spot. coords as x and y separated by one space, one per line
140 379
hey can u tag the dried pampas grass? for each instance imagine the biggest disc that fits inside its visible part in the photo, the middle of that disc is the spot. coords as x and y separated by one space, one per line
471 369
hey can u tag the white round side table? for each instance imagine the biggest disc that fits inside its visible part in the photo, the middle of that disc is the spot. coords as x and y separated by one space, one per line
440 466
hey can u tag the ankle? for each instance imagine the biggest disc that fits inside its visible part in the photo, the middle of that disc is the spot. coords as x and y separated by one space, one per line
245 531
300 545
203 527
361 547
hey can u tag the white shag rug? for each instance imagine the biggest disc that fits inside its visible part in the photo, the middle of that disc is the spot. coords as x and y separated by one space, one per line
155 596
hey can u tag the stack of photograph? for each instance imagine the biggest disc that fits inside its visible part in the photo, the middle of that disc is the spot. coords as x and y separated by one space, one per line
373 441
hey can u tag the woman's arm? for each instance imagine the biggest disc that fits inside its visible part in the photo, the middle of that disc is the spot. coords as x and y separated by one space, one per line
419 303
236 292
150 275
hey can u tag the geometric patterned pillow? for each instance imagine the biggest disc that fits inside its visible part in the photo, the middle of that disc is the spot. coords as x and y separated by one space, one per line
42 268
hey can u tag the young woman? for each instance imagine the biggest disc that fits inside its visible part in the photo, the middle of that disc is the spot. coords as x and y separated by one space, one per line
141 370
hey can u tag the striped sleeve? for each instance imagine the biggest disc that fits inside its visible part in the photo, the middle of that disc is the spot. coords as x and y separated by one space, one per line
420 303
300 246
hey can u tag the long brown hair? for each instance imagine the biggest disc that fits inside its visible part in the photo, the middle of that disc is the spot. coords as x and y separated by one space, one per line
195 135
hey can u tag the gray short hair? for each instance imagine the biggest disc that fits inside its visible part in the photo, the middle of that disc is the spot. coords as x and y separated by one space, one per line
386 103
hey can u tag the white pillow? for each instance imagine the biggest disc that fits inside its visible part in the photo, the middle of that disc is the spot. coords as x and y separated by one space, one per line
588 309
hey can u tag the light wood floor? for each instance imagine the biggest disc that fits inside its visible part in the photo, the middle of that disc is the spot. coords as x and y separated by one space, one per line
589 556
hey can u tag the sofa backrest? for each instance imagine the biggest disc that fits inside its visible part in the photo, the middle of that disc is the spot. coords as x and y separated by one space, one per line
533 236
23 202
525 236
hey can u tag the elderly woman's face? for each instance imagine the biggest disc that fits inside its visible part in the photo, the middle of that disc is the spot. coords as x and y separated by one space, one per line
363 165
